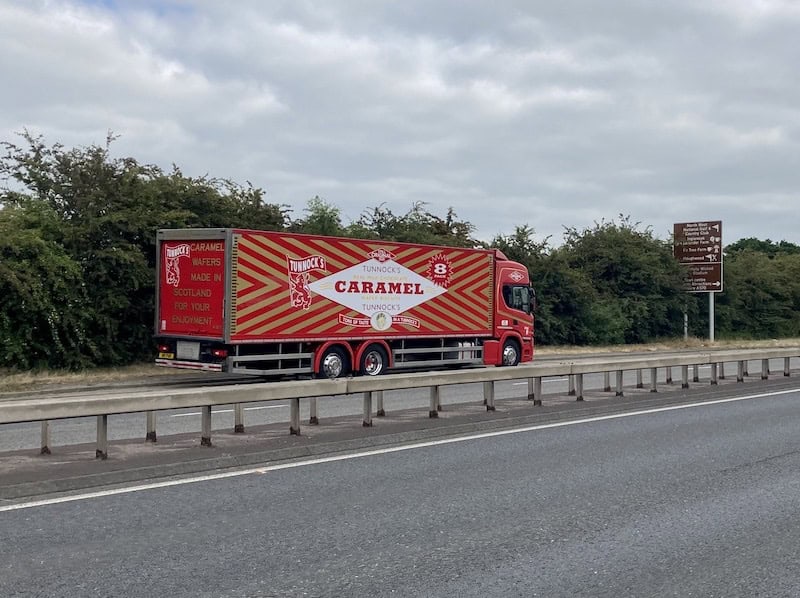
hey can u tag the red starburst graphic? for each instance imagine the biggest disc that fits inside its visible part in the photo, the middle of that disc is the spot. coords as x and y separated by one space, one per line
439 270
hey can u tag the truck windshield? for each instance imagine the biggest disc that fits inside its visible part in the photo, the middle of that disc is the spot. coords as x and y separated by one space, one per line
518 297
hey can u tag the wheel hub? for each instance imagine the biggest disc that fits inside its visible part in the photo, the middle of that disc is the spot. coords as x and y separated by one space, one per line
332 365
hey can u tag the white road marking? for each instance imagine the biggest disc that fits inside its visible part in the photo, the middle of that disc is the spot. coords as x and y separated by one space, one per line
383 451
231 410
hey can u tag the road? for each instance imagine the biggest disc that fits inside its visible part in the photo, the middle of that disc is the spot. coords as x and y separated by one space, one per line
687 501
133 426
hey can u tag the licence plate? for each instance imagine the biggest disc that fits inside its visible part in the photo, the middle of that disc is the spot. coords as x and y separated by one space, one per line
166 355
188 350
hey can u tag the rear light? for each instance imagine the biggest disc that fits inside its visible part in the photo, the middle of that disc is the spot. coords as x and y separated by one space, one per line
219 353
163 348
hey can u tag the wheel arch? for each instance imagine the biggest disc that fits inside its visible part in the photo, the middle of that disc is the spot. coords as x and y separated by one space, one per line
493 349
364 345
344 346
510 336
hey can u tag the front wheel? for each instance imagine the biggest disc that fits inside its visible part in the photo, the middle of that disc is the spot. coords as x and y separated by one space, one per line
511 353
334 363
374 361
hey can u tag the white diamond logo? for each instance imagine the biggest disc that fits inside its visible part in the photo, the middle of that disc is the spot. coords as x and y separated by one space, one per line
377 287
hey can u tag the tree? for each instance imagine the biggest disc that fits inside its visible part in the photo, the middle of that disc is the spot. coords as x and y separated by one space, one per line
639 284
767 247
521 246
418 225
42 320
107 212
565 297
321 218
762 296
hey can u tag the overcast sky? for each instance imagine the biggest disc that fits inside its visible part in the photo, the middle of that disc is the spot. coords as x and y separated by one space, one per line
546 113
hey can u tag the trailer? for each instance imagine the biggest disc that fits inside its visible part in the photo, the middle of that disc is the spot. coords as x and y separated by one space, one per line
282 304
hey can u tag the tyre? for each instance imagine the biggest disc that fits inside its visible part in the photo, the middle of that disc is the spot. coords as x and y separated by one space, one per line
334 363
374 361
511 353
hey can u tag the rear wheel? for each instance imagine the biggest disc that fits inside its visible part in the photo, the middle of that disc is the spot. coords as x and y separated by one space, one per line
374 361
510 353
334 363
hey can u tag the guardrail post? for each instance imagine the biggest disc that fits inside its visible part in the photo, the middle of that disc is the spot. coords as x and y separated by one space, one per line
786 369
313 417
606 381
45 450
619 384
294 417
695 373
381 412
684 376
740 372
238 418
722 370
714 374
571 385
367 421
205 435
669 375
488 395
653 379
102 438
765 369
639 382
433 412
150 436
579 387
531 390
537 391
746 369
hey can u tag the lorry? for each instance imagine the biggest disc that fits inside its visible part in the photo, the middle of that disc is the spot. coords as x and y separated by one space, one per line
281 304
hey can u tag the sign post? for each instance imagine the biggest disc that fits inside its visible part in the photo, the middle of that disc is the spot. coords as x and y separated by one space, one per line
698 246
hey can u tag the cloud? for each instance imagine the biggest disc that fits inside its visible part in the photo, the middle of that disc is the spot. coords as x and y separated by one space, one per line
550 114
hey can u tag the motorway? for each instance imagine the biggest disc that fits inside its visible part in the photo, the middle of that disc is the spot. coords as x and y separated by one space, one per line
686 500
133 426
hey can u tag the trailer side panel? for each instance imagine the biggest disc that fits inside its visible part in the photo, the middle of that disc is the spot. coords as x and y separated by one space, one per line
307 287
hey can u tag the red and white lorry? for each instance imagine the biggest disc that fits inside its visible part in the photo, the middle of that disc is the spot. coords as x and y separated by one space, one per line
283 304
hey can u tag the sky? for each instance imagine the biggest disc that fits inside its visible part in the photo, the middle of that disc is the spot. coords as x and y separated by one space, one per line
512 112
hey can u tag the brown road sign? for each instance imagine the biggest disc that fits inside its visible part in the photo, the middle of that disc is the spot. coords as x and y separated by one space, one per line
704 278
699 246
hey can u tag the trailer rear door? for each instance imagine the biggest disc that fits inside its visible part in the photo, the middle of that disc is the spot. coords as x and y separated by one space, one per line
191 287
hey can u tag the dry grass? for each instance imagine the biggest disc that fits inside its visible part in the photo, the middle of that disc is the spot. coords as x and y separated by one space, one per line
17 381
672 345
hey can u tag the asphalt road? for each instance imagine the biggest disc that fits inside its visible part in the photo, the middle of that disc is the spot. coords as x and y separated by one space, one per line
692 501
133 426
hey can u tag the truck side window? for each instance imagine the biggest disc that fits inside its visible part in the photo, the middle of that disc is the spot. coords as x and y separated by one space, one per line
507 294
517 297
